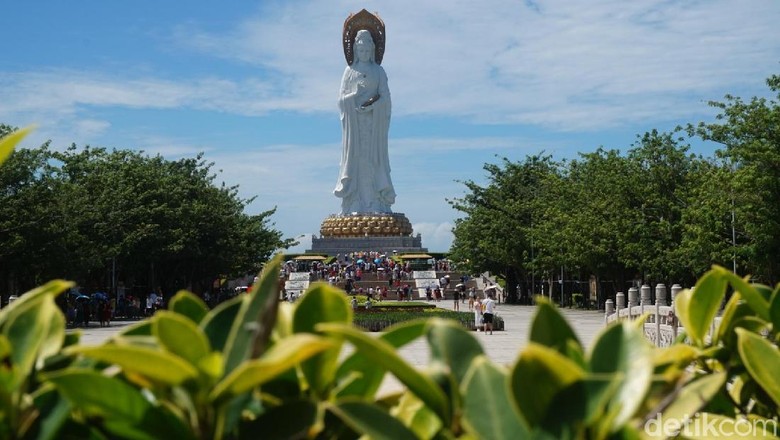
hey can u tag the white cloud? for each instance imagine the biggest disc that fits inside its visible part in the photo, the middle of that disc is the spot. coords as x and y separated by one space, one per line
437 237
563 64
567 65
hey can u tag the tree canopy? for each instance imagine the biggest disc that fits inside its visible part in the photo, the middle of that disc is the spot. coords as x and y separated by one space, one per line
653 214
91 213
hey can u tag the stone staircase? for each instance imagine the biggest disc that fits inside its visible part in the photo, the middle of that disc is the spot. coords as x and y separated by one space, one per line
298 282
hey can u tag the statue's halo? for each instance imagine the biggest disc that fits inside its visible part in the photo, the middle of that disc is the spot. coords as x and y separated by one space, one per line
370 22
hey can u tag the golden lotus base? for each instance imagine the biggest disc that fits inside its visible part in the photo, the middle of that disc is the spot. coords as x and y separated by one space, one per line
366 225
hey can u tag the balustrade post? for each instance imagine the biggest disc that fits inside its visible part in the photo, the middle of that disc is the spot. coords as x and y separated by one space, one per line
676 288
633 297
620 300
660 294
660 299
645 298
609 308
646 295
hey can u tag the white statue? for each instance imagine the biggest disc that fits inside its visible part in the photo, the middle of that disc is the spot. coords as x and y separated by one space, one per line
364 183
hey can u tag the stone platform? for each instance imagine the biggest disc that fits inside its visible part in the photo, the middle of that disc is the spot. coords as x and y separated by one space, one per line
343 245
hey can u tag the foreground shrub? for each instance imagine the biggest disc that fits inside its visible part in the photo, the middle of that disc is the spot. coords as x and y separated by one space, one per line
255 368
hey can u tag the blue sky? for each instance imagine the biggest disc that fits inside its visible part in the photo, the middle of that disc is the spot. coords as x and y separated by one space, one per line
254 85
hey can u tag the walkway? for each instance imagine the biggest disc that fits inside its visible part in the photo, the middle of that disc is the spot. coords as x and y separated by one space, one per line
502 346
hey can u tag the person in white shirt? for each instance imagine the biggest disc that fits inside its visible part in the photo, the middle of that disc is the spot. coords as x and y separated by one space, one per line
489 307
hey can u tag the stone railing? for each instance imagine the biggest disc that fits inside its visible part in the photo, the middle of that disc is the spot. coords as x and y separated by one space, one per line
661 326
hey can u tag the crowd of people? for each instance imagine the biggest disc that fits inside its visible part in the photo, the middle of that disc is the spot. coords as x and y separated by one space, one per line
354 266
80 309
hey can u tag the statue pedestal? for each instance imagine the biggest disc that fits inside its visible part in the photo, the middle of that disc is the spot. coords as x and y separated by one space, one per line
345 245
381 232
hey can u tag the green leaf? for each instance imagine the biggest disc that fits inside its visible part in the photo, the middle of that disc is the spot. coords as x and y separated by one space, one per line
735 309
218 323
413 412
124 411
255 320
538 375
141 328
688 401
53 412
155 364
761 358
488 411
369 419
623 349
453 346
774 310
384 355
364 377
190 305
677 355
8 142
750 293
321 304
550 328
55 338
282 356
697 308
292 420
181 336
50 289
9 373
27 330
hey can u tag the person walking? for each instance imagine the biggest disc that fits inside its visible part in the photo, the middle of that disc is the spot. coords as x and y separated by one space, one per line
456 297
489 307
477 313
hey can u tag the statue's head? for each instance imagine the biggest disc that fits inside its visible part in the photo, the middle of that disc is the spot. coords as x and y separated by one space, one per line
364 46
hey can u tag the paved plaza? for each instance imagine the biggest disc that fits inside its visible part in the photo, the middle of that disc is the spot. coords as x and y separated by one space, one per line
502 346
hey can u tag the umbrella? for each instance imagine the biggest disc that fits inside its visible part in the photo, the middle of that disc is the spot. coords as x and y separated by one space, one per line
377 260
82 298
359 261
100 296
459 285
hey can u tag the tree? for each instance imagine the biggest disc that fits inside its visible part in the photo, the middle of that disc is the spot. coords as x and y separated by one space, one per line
749 132
661 187
90 214
496 234
32 230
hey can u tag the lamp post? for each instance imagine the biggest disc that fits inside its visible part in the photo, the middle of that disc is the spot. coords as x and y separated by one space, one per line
561 283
